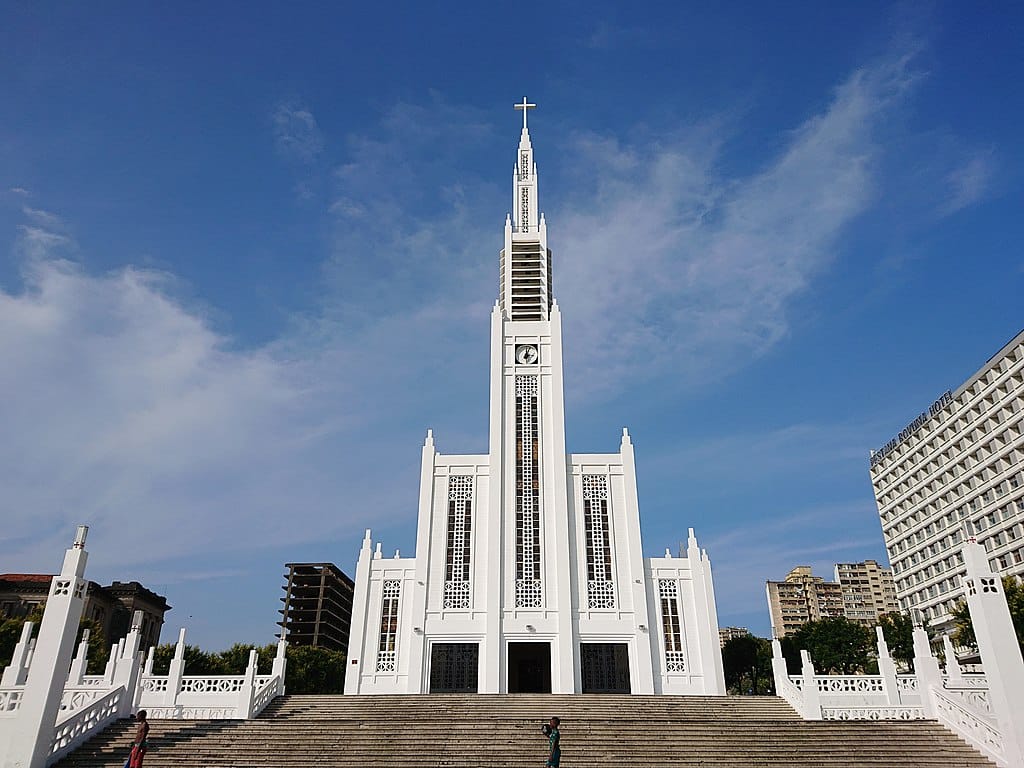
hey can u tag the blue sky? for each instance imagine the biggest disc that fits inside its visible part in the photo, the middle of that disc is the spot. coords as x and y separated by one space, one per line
247 256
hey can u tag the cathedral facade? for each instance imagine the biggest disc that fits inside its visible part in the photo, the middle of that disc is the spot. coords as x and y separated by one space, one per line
529 574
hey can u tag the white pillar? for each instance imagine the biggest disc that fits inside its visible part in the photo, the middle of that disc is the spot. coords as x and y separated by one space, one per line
280 663
129 665
17 670
779 669
247 695
812 699
30 741
150 657
999 649
80 662
358 644
887 669
952 665
175 672
926 667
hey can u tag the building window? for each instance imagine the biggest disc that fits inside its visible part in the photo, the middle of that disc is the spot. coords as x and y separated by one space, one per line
600 585
668 591
529 592
387 650
460 519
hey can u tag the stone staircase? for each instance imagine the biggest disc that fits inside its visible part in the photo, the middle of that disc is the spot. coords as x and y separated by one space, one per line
503 731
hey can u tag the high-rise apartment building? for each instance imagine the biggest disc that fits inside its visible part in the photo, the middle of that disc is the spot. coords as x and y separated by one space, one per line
868 591
801 598
317 605
725 634
956 468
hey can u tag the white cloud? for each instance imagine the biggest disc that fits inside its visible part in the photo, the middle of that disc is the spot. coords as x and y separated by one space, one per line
670 265
296 132
968 183
20 191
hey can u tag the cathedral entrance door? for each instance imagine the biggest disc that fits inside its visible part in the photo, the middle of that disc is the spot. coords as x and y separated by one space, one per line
453 667
529 667
605 667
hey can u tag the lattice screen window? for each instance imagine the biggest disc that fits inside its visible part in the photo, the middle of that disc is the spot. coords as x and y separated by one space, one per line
460 520
388 648
668 591
600 585
529 591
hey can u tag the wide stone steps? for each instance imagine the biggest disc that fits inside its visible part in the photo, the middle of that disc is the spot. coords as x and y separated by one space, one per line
492 731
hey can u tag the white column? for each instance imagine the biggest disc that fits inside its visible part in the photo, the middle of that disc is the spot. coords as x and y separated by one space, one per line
490 555
999 649
636 581
44 686
358 646
952 665
417 596
175 672
926 667
281 663
812 699
81 660
247 694
710 648
17 670
129 665
887 669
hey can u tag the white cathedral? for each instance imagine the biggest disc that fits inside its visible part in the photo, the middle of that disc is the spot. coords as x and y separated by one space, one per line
529 574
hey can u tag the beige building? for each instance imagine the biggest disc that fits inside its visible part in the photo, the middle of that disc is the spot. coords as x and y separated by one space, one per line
802 597
956 466
725 634
868 591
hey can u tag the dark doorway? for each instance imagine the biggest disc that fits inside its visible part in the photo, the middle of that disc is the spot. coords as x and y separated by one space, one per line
529 667
605 667
453 667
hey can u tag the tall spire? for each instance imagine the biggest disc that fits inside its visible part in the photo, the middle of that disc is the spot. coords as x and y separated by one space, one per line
525 259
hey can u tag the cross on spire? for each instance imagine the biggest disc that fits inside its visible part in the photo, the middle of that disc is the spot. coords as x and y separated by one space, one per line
525 106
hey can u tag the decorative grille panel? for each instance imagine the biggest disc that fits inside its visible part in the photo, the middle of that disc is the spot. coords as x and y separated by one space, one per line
529 591
600 585
460 504
387 649
668 591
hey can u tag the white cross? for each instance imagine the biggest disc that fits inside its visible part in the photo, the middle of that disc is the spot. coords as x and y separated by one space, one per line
524 106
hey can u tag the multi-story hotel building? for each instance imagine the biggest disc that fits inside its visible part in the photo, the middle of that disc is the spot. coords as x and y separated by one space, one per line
801 598
868 591
955 470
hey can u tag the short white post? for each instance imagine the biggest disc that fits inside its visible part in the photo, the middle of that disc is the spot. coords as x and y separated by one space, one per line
149 661
280 664
17 670
247 695
32 736
126 673
999 650
812 699
81 659
111 667
926 667
176 672
953 671
887 669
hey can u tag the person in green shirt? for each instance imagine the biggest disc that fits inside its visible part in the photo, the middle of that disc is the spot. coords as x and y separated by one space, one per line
554 750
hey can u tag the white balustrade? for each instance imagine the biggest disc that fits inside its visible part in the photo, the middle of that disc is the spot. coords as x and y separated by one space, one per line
872 713
79 726
975 729
10 700
79 697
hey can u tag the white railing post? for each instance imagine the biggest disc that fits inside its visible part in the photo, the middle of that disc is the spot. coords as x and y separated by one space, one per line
247 694
176 672
17 670
280 663
32 736
926 667
887 669
108 670
126 672
999 649
81 659
812 697
150 657
953 672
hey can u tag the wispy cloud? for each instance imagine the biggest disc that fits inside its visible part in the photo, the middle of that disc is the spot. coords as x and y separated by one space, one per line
701 269
21 191
969 183
296 132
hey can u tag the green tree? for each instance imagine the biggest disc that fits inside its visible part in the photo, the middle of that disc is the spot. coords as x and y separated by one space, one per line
1014 590
747 662
197 661
314 670
898 631
837 645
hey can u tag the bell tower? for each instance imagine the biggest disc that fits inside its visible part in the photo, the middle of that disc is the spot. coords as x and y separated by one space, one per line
527 441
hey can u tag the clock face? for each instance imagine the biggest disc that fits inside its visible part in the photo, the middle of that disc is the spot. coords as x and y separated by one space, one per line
526 354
